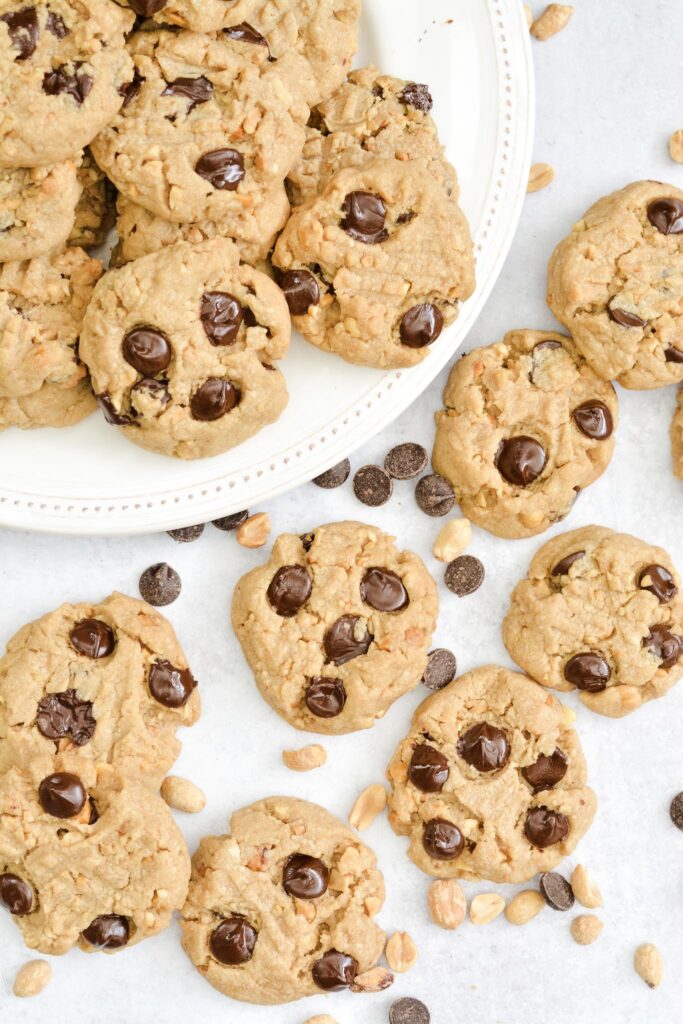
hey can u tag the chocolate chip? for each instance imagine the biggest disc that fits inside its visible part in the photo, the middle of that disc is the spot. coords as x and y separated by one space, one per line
334 477
307 541
111 413
196 90
62 795
673 355
548 345
364 214
565 564
230 523
624 318
664 644
372 485
232 941
520 460
56 25
186 534
154 389
223 168
169 685
546 771
544 827
589 672
406 461
556 891
16 895
421 325
65 714
485 747
147 350
305 877
244 33
434 495
442 839
594 419
325 698
221 315
659 582
464 575
159 584
334 971
341 642
215 398
289 590
440 670
666 215
301 290
108 931
409 1011
428 769
383 590
675 810
92 638
147 8
76 84
129 90
23 31
416 95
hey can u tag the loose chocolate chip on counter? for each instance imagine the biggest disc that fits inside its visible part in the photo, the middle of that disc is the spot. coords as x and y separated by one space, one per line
305 877
108 931
428 769
664 644
196 90
92 638
16 895
230 523
300 289
111 413
232 941
76 84
544 827
62 795
56 25
65 714
372 485
666 215
624 318
594 419
434 495
221 316
409 1011
147 350
406 461
520 460
364 215
148 8
546 771
289 590
222 168
556 891
325 698
383 590
464 575
421 325
334 971
675 811
442 839
440 670
334 477
673 355
659 582
159 584
186 534
214 399
485 747
244 33
588 672
23 30
565 564
346 639
169 685
416 95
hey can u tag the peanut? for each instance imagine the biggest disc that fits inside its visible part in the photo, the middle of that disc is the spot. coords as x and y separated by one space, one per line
254 531
676 146
305 759
401 952
32 978
321 1018
586 928
453 539
585 889
648 963
554 18
182 794
377 979
540 177
486 907
524 907
447 903
369 804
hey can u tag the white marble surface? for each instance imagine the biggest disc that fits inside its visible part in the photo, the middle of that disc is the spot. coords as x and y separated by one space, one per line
609 92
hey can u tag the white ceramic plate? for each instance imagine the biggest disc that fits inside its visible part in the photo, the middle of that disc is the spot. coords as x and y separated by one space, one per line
89 479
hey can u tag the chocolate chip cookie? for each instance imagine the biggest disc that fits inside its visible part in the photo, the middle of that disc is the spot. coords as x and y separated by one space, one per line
88 857
490 782
180 346
602 612
377 264
63 67
95 209
283 907
527 426
616 282
677 438
336 626
37 209
103 683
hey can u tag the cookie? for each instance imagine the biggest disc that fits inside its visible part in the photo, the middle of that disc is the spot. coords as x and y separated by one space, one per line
180 346
42 303
208 129
527 426
490 782
336 625
37 209
600 611
677 438
283 907
96 684
92 858
377 264
62 68
95 209
616 282
372 116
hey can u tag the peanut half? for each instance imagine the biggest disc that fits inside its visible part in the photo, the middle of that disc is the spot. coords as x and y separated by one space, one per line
486 907
32 978
369 804
524 907
401 952
453 539
305 759
676 146
447 903
585 888
377 979
182 794
554 18
540 176
649 964
254 531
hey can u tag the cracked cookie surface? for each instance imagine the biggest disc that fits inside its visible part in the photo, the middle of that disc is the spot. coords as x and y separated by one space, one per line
283 907
336 625
95 208
527 426
490 782
616 283
600 611
37 209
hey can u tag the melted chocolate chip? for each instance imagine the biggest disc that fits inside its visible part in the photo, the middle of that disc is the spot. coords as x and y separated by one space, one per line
223 168
301 290
666 215
325 698
244 33
594 419
56 25
565 564
129 90
624 318
232 941
289 590
147 350
364 214
16 895
416 95
334 971
148 8
659 582
305 877
111 413
546 771
62 795
520 460
485 747
664 644
92 638
196 90
215 398
108 931
23 31
442 839
155 389
544 827
65 714
76 84
589 672
421 325
673 355
341 643
428 769
383 590
169 685
221 315
307 541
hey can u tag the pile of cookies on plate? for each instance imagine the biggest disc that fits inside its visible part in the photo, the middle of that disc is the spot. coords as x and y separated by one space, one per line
253 179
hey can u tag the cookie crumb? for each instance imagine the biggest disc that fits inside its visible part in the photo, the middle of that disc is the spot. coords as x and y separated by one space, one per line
369 804
32 978
440 670
453 539
335 476
160 585
556 891
586 928
524 907
182 795
540 176
229 523
585 889
447 903
434 495
254 531
554 18
464 575
406 461
186 534
401 952
306 758
409 1011
648 963
486 907
676 146
372 485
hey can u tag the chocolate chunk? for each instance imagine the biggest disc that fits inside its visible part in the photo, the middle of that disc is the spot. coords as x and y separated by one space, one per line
675 811
76 84
129 90
546 771
171 686
147 350
307 541
485 747
232 941
537 360
440 670
409 1011
186 534
221 315
196 90
159 584
372 485
556 891
659 582
289 590
666 215
65 714
434 495
664 644
588 672
673 355
334 477
624 318
416 95
111 413
223 168
23 31
301 290
565 564
421 325
549 345
62 795
230 523
108 931
428 769
148 8
334 971
56 25
244 33
341 640
16 895
325 698
92 638
544 827
464 575
215 398
383 590
442 839
364 215
406 461
594 419
305 877
520 460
